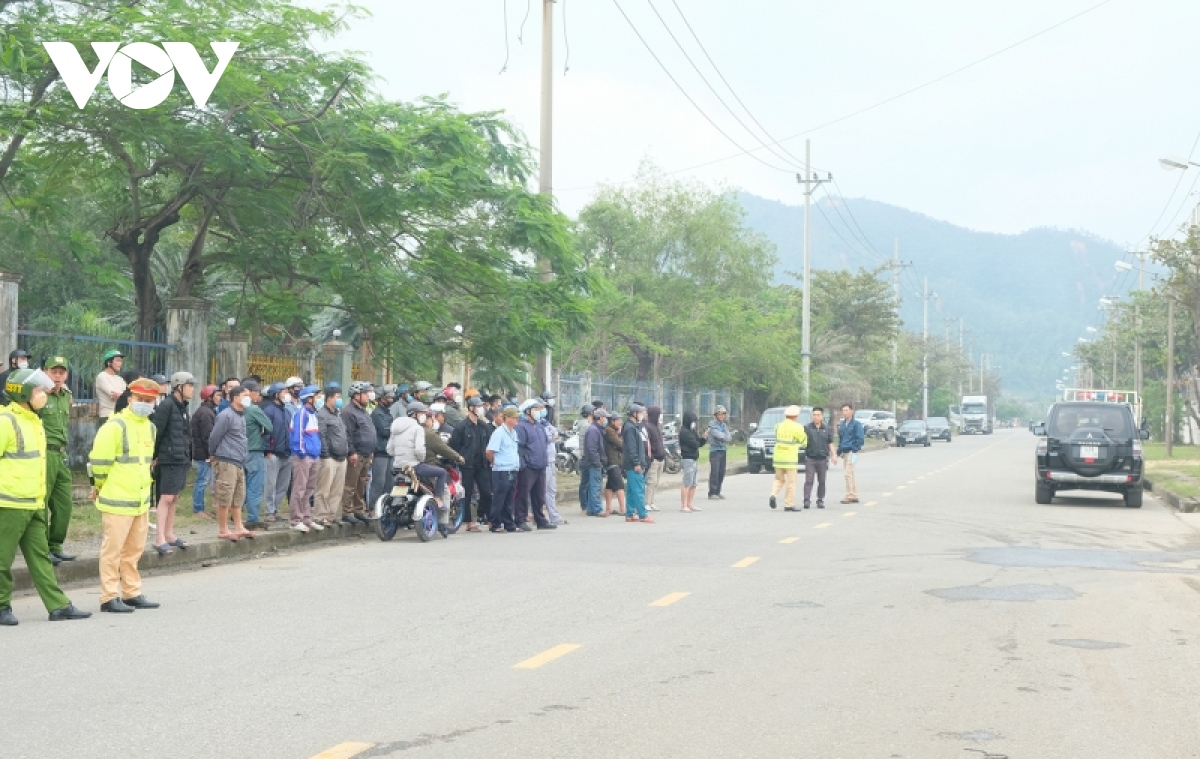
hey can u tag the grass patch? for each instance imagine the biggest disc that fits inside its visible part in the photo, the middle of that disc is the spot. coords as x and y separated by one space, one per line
735 454
1158 452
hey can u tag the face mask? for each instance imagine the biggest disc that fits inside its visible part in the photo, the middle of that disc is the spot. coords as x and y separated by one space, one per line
541 414
550 403
22 364
285 398
142 408
603 422
38 402
371 395
320 401
337 403
245 401
421 419
437 425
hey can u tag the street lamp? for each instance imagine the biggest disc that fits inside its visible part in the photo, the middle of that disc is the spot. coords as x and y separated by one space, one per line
1171 163
231 322
337 333
1123 266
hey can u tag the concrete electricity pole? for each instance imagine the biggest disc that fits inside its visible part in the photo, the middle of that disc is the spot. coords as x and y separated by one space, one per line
897 268
542 370
925 358
810 182
1169 432
960 357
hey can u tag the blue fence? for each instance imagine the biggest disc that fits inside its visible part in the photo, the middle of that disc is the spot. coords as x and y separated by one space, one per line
85 354
617 394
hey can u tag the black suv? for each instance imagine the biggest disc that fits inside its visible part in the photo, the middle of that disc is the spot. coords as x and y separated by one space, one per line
760 446
1089 446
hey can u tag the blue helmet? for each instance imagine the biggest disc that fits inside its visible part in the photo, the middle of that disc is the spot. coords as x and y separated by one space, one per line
309 392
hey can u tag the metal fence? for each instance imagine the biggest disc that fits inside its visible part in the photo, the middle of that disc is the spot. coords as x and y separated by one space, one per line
617 394
85 355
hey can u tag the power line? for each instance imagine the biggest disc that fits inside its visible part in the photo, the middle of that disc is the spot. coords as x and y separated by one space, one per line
853 218
849 247
729 86
832 202
689 97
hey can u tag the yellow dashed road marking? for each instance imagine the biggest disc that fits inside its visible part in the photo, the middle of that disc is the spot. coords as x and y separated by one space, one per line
885 495
849 513
912 482
745 562
871 503
789 540
344 750
901 487
823 525
548 656
670 598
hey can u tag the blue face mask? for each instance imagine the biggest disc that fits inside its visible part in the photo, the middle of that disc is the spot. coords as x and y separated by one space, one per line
541 414
337 403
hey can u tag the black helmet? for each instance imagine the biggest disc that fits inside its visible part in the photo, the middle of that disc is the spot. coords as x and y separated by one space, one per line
474 402
587 410
547 395
416 407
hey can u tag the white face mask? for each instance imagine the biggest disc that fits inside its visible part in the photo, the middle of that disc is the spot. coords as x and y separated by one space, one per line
142 408
437 425
22 363
421 419
550 403
371 395
245 401
285 397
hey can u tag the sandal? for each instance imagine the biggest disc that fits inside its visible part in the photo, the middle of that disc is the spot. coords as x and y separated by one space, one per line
472 528
631 519
231 537
246 534
179 543
647 520
165 549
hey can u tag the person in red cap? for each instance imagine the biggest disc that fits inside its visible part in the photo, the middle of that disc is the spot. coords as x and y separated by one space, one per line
202 424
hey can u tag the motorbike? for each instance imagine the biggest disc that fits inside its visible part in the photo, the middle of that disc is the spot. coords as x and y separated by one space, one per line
566 460
674 460
410 505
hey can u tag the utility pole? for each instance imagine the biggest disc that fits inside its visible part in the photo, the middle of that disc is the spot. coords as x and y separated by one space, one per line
1137 326
810 182
1169 433
960 357
925 358
542 370
895 337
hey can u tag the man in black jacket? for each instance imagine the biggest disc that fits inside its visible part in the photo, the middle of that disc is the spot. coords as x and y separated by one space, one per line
381 464
203 420
362 439
816 456
172 456
279 451
470 440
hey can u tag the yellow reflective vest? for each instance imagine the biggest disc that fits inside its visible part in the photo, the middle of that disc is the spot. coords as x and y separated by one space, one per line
790 439
22 459
120 464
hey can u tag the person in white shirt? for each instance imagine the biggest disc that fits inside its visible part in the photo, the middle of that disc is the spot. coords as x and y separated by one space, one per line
109 384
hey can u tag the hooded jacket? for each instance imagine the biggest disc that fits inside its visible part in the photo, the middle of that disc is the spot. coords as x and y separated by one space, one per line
593 447
614 448
305 434
406 444
277 441
658 449
690 441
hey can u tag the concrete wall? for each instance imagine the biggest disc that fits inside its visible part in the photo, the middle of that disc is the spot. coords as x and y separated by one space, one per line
10 286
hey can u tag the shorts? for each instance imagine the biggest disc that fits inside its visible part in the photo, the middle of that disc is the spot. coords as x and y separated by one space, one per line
691 473
170 478
616 480
229 484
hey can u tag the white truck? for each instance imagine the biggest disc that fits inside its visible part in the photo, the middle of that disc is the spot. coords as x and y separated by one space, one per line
978 416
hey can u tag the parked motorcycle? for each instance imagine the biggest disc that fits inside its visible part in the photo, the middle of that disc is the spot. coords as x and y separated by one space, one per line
674 461
410 505
566 459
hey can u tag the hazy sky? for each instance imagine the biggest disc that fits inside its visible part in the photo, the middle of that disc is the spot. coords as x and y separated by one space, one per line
1064 130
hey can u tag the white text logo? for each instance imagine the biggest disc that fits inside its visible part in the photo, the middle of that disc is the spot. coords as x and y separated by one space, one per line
118 61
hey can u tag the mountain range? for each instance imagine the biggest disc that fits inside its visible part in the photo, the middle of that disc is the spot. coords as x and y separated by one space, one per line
1024 298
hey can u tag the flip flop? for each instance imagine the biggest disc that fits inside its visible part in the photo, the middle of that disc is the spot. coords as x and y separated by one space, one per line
164 549
230 537
246 534
647 520
178 543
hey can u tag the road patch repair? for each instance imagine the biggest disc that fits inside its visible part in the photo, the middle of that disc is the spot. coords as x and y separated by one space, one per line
1028 592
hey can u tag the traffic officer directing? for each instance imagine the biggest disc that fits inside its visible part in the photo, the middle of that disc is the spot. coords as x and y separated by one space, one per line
55 417
119 466
23 496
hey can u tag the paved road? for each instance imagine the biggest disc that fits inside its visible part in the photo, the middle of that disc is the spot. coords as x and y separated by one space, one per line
946 616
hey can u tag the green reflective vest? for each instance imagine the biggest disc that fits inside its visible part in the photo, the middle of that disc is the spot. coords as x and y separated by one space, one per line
22 459
120 464
790 439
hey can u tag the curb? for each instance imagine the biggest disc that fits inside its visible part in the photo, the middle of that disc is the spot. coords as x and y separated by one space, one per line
87 569
1180 503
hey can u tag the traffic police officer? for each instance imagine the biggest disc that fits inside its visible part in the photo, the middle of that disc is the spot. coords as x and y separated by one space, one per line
55 417
23 496
119 466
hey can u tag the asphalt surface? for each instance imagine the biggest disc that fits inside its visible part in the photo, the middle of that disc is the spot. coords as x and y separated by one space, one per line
946 615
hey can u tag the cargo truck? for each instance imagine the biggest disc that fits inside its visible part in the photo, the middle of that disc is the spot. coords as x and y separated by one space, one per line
978 416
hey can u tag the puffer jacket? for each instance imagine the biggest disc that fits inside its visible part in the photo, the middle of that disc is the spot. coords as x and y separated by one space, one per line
173 442
690 441
406 445
360 430
203 422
